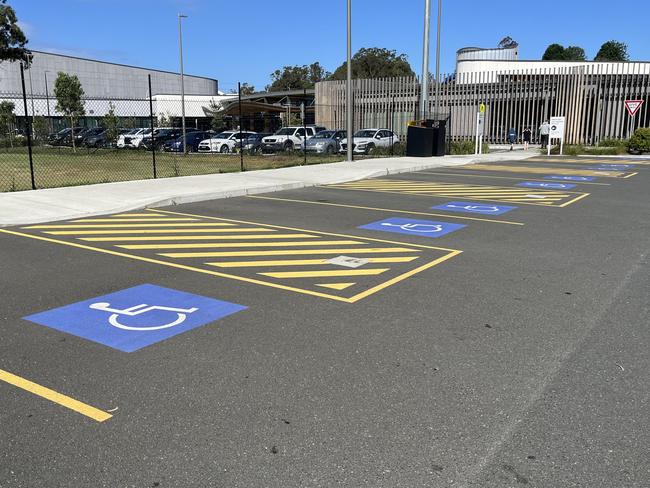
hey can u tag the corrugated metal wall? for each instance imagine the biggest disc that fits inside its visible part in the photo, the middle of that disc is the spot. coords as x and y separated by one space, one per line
591 97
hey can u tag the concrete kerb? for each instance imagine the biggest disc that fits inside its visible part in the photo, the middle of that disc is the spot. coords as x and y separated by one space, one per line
48 205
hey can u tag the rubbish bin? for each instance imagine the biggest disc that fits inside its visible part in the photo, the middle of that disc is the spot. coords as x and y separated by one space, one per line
426 138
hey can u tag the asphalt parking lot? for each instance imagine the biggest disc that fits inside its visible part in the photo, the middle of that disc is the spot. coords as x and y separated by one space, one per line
483 325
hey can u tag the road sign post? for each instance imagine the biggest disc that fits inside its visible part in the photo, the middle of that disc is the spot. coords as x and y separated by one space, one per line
556 132
632 107
480 129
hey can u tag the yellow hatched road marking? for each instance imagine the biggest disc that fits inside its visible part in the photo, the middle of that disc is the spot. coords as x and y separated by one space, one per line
545 170
303 262
336 286
324 273
286 252
471 175
154 231
104 226
588 161
55 397
204 245
148 214
154 219
376 209
196 238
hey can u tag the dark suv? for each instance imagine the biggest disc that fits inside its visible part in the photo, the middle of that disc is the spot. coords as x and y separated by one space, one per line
162 136
192 141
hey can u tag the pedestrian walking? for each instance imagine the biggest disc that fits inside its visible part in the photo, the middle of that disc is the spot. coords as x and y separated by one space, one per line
527 135
544 130
512 137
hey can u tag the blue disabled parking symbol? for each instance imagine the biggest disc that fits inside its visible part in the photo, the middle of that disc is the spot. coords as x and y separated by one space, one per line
569 178
131 319
550 186
425 228
472 207
611 167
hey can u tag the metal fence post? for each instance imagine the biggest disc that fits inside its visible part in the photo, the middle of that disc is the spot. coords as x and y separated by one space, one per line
28 128
241 141
304 126
153 139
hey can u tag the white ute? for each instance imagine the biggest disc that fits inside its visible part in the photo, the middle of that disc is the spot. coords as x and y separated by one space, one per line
366 140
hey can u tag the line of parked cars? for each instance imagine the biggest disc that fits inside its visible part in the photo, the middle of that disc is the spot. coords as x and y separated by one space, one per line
314 139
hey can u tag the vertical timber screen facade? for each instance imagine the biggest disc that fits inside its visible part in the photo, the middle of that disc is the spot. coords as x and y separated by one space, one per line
591 97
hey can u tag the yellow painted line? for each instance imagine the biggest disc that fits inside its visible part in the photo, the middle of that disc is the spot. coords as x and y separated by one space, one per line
148 214
329 234
53 396
103 226
565 204
153 219
392 210
196 238
324 273
286 252
303 262
505 177
545 170
631 175
403 276
336 286
153 231
204 245
451 253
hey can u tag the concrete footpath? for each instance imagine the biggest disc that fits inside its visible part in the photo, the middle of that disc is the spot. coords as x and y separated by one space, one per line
36 206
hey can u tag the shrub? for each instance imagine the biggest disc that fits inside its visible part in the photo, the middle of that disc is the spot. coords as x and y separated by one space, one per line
640 141
612 143
399 149
462 147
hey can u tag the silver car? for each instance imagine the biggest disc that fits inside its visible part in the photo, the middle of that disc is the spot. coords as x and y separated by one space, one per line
325 142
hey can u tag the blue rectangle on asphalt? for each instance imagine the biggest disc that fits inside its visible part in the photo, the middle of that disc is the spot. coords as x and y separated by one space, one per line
424 228
569 178
611 167
473 207
549 186
131 319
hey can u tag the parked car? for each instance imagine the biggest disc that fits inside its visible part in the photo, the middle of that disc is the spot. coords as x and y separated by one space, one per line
99 139
122 138
162 136
224 142
192 141
136 139
325 142
253 143
287 139
63 137
366 140
80 138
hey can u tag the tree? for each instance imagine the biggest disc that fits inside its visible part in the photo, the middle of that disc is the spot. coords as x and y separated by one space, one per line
375 62
7 119
12 38
574 53
297 77
40 128
612 51
68 93
507 42
554 52
111 123
217 123
164 120
247 89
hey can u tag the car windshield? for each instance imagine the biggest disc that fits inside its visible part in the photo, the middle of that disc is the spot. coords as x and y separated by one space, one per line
326 134
365 133
222 135
285 132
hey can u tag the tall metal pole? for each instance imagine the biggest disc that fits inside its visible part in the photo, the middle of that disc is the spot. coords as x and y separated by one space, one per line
47 101
424 97
180 48
438 60
153 137
241 141
348 86
31 91
28 128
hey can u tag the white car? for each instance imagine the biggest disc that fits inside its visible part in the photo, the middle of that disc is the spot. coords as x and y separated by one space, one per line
124 140
224 142
136 139
366 140
288 138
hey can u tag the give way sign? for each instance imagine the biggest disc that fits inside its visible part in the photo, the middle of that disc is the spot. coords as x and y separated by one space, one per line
633 106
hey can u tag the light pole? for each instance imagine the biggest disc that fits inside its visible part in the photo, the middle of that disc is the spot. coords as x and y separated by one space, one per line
348 86
424 98
438 60
180 48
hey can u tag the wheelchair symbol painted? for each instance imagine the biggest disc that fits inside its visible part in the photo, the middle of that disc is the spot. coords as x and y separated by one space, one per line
139 310
475 208
427 228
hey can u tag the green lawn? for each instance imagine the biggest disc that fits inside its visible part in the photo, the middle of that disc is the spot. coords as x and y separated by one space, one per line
55 167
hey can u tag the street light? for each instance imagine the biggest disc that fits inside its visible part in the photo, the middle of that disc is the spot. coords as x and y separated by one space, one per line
348 86
424 99
180 48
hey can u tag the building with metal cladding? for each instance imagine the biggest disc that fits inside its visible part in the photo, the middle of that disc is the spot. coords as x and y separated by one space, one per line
519 94
100 79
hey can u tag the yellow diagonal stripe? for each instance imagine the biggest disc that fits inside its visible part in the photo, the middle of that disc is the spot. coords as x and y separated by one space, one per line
154 219
302 262
103 226
153 231
53 396
204 245
544 170
336 286
287 252
148 214
197 238
323 273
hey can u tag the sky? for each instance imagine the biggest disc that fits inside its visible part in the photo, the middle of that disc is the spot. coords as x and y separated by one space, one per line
246 44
